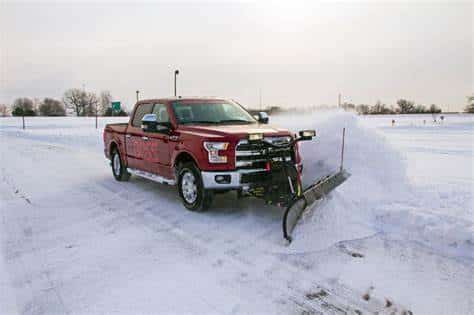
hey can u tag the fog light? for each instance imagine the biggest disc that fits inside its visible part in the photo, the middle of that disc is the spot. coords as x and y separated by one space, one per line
222 179
307 133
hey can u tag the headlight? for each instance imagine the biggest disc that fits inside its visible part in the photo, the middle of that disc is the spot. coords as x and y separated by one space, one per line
255 136
213 149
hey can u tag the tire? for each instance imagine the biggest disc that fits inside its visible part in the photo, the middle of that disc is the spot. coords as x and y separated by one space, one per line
118 169
191 189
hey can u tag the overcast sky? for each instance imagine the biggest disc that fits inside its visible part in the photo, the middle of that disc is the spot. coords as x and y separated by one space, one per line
296 54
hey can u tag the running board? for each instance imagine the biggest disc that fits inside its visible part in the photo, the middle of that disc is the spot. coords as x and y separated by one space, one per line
151 176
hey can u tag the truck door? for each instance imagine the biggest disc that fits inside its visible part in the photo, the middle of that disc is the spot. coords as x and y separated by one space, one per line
133 138
157 154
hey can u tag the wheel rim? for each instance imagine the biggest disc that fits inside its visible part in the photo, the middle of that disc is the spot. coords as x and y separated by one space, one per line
188 187
116 164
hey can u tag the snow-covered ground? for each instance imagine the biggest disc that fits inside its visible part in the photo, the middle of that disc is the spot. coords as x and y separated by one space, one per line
396 237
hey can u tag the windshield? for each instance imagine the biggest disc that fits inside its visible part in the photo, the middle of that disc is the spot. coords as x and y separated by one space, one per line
211 113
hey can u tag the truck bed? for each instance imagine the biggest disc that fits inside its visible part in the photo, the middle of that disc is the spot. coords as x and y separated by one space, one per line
117 127
116 133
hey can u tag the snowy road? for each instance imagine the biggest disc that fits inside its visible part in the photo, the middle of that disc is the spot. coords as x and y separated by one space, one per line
73 240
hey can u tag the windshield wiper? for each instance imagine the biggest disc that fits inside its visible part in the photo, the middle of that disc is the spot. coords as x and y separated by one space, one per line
201 122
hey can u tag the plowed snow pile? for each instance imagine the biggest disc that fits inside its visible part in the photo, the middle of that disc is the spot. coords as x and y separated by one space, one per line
377 198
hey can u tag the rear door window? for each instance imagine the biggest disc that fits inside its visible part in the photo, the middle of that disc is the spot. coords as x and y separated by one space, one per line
161 113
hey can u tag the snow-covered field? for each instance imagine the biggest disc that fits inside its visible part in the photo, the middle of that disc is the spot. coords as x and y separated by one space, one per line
397 237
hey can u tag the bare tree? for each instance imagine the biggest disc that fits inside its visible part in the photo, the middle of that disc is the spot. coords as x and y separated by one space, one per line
434 109
92 104
377 108
470 104
105 102
419 109
74 99
4 110
81 102
363 109
406 107
52 107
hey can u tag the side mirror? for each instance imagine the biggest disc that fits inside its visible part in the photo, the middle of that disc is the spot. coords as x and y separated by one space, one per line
262 117
150 124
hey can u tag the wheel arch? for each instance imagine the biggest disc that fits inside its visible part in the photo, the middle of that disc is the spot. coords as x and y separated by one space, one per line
182 157
113 146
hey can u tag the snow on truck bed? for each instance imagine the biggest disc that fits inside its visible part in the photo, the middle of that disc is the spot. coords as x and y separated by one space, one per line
397 236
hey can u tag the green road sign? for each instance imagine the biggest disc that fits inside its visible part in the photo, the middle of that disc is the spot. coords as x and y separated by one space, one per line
116 106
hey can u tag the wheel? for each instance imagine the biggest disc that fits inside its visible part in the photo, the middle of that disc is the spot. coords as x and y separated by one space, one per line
118 169
191 189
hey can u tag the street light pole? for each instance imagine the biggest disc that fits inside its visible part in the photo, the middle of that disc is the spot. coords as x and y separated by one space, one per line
176 72
138 92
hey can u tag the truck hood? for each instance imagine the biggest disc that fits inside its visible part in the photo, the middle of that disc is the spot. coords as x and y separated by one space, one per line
240 131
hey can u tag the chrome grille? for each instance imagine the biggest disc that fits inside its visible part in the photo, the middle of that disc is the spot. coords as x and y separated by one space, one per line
255 155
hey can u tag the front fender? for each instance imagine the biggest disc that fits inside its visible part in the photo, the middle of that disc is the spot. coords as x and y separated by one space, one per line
177 153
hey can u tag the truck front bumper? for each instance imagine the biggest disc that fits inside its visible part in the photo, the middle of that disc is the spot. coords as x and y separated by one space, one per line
227 179
238 179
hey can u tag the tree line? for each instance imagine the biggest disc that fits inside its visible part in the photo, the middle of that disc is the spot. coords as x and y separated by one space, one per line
75 101
403 106
82 103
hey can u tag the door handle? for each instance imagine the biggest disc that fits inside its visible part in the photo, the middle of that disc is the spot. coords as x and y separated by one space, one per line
128 136
145 138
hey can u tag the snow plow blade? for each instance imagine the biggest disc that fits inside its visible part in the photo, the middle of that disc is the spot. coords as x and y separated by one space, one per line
308 199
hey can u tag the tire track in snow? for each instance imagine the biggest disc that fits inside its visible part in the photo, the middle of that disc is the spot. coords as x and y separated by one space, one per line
336 300
14 188
25 228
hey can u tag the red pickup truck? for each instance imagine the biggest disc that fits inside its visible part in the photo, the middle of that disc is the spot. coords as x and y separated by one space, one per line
206 146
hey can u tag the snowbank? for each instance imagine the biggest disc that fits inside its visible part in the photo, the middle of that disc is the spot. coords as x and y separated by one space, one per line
378 198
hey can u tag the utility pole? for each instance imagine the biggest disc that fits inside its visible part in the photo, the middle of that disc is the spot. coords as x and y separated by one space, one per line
176 72
260 98
339 100
342 150
138 92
